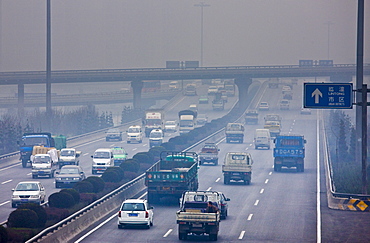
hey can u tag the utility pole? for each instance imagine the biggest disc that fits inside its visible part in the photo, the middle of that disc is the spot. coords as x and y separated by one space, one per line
48 63
201 5
328 23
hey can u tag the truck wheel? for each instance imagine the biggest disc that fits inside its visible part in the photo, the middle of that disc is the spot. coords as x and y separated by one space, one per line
183 236
24 163
213 237
277 168
14 205
216 162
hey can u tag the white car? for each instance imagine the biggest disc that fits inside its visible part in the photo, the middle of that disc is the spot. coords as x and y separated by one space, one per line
263 106
136 212
286 89
28 192
170 126
305 111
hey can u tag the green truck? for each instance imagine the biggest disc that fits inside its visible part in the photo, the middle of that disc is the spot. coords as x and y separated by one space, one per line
173 174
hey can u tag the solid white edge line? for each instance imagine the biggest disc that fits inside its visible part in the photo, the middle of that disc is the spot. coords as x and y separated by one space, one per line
1 204
100 225
318 209
241 235
167 233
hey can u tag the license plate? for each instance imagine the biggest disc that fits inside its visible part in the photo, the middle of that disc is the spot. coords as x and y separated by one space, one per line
24 200
41 172
132 214
235 173
197 225
166 188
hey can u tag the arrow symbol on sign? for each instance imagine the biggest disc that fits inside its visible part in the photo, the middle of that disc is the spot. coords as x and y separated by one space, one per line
317 95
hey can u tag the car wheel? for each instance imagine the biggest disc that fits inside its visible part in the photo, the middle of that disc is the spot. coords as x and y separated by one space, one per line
14 205
120 226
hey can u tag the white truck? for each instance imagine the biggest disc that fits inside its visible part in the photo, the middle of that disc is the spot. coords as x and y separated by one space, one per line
44 164
102 159
69 156
187 121
234 132
238 167
193 216
154 119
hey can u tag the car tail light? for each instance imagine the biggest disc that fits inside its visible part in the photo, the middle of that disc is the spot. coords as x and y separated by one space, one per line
119 214
146 214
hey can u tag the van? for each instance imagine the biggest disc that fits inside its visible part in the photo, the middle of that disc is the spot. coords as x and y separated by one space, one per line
262 138
102 159
155 138
134 134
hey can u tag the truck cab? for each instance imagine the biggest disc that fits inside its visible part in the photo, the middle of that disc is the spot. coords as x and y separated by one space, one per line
237 167
155 138
102 159
69 156
209 154
43 166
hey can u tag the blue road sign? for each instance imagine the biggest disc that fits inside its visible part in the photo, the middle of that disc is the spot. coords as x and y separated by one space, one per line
327 95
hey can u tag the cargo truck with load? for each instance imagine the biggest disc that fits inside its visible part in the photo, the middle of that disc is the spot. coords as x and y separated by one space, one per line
187 121
154 119
209 154
29 140
234 132
194 216
251 117
289 152
173 174
238 167
44 161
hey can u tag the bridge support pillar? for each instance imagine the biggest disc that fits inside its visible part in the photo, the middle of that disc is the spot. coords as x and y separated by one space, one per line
137 86
20 100
243 84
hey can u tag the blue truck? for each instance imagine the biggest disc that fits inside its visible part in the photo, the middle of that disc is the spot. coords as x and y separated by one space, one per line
289 152
38 139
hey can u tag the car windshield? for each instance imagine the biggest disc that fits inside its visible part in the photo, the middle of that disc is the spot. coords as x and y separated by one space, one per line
67 153
133 207
41 159
155 135
153 122
186 124
68 171
238 157
170 123
118 151
263 104
102 155
27 187
133 130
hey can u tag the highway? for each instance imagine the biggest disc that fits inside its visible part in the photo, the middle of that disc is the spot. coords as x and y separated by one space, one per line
277 207
12 172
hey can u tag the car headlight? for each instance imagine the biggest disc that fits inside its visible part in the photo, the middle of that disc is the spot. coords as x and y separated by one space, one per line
58 179
15 196
34 196
76 178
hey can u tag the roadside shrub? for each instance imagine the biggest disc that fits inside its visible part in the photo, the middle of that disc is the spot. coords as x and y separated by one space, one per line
129 175
142 157
20 234
84 187
130 165
23 218
156 151
168 146
56 214
118 170
73 193
39 210
97 182
61 200
3 234
88 197
111 176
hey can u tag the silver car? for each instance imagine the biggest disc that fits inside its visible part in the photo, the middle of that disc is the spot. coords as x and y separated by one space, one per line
68 176
28 192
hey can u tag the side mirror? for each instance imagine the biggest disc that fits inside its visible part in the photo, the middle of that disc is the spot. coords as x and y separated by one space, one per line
57 172
305 141
13 190
227 199
151 207
92 156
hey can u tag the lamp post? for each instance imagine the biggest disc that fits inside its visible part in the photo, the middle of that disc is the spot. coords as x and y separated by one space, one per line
48 62
328 23
201 5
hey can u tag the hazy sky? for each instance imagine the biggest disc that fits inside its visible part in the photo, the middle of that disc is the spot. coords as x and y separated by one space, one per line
98 34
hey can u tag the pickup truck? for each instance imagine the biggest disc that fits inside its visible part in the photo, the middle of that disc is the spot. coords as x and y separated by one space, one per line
193 217
238 167
209 154
251 117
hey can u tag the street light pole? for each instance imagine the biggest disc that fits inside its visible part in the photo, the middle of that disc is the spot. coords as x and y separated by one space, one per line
329 23
48 63
201 5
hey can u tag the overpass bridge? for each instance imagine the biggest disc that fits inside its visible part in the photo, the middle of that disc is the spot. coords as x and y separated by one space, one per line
242 74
